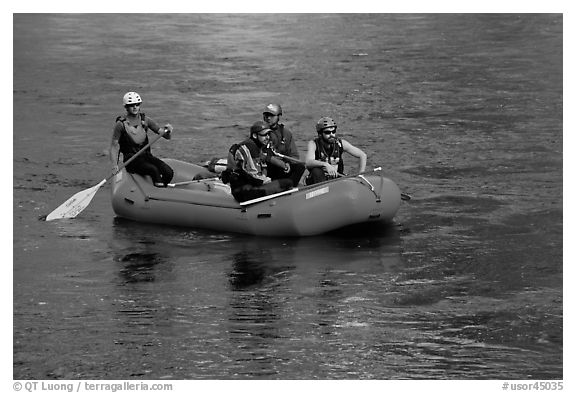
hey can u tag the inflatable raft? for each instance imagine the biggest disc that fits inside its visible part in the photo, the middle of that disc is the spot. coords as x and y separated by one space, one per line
209 204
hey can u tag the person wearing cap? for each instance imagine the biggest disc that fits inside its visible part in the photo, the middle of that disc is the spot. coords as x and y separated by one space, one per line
282 141
130 135
248 162
324 157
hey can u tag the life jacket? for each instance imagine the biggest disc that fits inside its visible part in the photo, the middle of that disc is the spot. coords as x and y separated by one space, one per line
330 153
281 145
127 145
251 170
216 165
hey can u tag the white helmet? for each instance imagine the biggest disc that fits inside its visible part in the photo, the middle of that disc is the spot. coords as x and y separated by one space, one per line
131 98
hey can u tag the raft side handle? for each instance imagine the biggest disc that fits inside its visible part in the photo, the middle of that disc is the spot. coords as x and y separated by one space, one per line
366 180
378 199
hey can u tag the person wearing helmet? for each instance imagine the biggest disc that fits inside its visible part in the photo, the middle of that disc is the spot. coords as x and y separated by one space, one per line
282 141
248 162
130 135
324 157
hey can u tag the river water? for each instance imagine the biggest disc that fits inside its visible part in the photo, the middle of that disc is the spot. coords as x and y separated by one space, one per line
464 112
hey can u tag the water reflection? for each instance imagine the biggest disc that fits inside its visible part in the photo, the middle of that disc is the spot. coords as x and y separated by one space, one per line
144 317
138 253
290 296
139 267
274 307
247 271
77 229
255 309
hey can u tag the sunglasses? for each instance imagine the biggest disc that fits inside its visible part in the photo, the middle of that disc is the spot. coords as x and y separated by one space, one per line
264 134
329 132
132 105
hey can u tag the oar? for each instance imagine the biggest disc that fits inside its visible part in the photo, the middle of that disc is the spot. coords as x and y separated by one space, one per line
80 201
267 197
295 160
185 183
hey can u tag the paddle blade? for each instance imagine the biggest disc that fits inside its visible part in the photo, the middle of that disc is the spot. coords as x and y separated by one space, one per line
74 206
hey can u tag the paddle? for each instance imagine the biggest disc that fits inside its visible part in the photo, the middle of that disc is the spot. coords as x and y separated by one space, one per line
267 197
185 183
295 160
80 201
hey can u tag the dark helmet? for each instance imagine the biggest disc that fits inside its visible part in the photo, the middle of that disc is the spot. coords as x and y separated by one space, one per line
325 122
275 109
258 127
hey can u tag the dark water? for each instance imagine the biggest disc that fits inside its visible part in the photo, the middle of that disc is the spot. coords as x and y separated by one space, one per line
464 112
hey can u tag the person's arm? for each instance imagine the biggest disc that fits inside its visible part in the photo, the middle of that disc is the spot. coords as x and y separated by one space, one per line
270 158
293 149
312 162
247 165
289 147
279 163
167 129
356 152
114 150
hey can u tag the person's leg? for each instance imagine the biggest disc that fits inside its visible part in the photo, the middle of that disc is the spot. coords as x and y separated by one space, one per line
144 167
274 172
276 186
316 175
247 192
296 172
166 172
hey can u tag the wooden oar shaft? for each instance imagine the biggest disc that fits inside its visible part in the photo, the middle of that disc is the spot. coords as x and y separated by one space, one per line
184 183
267 197
293 159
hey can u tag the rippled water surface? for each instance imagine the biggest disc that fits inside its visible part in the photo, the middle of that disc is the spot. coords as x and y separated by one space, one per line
464 112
